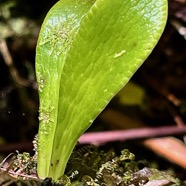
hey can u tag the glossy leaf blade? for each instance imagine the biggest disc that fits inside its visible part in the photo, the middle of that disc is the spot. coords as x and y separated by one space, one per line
56 36
114 39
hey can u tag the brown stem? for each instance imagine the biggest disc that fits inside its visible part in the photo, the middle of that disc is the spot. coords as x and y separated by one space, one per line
9 62
131 134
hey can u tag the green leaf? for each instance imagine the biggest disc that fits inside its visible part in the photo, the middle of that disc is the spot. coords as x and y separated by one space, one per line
87 51
56 36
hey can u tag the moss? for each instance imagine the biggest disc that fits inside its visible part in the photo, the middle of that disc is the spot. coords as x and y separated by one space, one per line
89 166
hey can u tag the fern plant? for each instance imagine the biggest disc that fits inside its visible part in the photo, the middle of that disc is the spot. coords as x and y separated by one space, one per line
86 52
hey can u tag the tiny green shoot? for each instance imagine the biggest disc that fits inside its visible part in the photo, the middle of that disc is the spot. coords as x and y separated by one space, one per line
86 52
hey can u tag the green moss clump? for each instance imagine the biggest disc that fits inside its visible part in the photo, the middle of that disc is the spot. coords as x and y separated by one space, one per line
89 166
